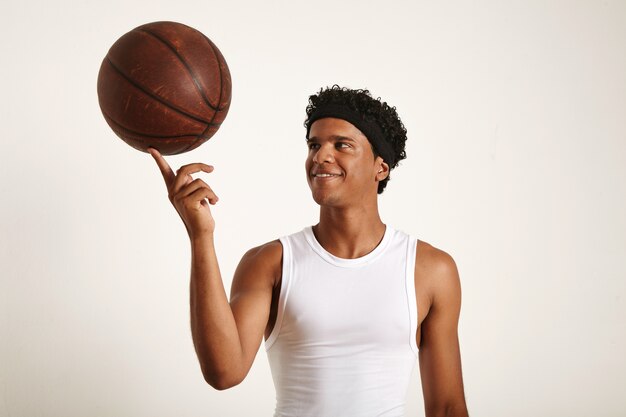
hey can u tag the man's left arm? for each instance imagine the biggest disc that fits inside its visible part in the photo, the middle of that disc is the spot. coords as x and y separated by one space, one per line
439 353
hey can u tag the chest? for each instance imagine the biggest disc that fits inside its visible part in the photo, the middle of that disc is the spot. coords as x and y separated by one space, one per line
359 306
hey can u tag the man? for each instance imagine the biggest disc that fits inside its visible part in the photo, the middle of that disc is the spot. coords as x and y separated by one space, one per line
344 305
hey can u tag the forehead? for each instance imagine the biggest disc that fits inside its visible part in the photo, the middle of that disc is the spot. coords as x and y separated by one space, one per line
332 126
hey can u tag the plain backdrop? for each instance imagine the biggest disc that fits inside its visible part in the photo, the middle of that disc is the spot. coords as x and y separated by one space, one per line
516 114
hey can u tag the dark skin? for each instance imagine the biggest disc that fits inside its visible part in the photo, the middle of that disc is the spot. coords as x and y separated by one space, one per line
343 174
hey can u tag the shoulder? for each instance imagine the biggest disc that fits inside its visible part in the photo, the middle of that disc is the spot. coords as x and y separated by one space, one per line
433 259
438 272
269 253
265 252
265 259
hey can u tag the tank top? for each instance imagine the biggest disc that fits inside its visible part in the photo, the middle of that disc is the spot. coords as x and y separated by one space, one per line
343 343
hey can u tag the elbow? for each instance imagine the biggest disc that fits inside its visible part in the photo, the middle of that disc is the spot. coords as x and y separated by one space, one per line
449 410
222 382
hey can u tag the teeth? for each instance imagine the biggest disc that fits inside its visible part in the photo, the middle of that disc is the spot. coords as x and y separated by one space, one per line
325 175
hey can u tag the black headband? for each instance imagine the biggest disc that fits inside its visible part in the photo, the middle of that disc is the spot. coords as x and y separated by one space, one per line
371 130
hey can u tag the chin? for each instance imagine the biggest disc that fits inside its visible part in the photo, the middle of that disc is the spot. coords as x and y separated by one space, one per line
326 199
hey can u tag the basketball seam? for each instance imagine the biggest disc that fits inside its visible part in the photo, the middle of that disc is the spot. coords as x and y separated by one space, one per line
189 69
219 67
159 99
134 132
217 57
216 109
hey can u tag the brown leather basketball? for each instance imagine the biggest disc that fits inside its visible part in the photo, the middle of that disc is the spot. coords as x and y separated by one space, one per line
164 85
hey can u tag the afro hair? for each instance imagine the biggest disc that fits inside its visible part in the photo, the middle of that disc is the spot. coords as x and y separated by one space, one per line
372 110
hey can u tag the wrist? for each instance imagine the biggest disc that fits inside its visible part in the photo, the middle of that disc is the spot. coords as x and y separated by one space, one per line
201 239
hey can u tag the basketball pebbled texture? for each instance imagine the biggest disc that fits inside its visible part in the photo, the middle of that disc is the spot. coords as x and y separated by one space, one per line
164 85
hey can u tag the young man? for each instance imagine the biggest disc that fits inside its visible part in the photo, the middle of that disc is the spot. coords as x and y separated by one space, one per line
346 306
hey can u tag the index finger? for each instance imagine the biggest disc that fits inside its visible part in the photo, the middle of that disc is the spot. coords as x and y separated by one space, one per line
166 170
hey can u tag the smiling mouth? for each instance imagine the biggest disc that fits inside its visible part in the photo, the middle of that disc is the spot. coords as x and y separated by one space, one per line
325 175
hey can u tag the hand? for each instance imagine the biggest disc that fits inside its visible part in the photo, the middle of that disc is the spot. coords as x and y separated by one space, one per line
189 196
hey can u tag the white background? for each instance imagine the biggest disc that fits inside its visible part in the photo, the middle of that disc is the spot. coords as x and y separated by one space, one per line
516 113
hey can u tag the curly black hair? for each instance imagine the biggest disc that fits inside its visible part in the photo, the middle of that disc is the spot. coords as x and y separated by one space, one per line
372 110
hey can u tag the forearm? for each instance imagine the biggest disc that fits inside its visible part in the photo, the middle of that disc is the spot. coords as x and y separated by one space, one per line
213 326
456 409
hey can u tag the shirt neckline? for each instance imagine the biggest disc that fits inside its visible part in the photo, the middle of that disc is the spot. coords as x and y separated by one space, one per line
344 262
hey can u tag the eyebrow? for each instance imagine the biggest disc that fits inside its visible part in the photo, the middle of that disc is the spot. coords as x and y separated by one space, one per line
332 137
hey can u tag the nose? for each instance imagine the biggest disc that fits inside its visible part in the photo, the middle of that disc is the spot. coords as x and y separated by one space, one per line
325 153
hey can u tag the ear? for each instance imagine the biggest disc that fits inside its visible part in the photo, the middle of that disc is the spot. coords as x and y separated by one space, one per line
383 169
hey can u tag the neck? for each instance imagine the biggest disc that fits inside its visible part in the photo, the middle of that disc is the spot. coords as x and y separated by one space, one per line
349 232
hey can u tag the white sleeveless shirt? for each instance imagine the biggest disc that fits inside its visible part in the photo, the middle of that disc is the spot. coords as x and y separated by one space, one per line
344 339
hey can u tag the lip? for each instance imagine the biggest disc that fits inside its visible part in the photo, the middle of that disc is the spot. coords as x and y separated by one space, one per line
333 176
327 175
322 172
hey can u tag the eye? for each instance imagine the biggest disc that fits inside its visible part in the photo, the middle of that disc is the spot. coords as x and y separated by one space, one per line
342 145
312 145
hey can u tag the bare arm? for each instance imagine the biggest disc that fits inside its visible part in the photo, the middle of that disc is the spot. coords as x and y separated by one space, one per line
226 335
439 354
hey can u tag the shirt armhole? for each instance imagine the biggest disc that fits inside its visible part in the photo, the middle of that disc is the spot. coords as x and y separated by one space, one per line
284 292
410 291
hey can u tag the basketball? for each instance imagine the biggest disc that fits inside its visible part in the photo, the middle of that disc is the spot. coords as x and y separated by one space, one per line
164 85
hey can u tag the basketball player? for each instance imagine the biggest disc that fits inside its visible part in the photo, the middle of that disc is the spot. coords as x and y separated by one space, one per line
347 305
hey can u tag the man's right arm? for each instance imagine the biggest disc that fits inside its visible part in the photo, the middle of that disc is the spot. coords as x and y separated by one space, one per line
226 335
